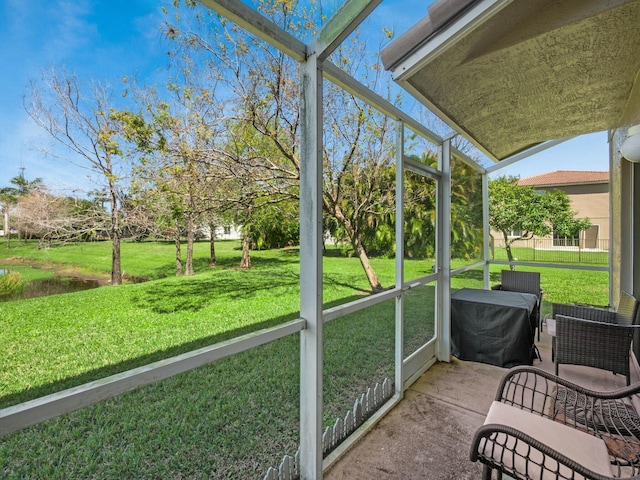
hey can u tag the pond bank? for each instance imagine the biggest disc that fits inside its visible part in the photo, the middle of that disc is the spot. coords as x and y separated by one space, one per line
58 269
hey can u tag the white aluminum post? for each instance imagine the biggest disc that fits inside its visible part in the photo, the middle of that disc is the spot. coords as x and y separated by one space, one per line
399 370
311 341
443 252
486 232
337 28
621 219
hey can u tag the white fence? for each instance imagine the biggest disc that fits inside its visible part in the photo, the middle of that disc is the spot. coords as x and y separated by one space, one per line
548 250
363 408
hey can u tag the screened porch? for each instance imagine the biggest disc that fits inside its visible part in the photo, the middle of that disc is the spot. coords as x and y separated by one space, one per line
432 402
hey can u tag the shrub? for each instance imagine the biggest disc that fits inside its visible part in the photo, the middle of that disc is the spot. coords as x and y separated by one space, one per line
10 283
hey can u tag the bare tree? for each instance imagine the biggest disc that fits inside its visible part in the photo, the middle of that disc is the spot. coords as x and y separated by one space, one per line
10 197
85 126
41 215
55 219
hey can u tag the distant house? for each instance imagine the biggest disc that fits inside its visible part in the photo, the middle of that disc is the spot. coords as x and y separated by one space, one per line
226 232
589 195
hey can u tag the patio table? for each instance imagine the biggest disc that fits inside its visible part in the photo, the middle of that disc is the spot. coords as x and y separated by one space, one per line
493 326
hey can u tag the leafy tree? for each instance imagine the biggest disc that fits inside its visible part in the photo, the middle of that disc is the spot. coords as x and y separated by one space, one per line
466 211
420 214
264 96
251 168
276 226
24 186
516 208
174 136
358 172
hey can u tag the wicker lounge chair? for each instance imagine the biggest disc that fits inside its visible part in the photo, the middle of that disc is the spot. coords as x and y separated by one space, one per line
541 426
596 337
524 282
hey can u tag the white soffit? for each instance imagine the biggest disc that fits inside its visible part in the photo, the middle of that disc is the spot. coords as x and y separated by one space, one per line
513 74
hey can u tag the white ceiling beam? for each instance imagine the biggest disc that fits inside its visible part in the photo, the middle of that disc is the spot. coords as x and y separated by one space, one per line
341 24
344 80
259 25
527 153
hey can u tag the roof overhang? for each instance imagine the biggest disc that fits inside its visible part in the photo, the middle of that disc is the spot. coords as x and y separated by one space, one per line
511 74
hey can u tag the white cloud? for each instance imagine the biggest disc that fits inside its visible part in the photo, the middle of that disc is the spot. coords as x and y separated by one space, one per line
70 31
26 145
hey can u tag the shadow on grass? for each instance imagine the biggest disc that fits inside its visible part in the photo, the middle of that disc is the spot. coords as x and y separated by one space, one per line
197 293
102 372
192 296
478 276
201 264
334 252
332 280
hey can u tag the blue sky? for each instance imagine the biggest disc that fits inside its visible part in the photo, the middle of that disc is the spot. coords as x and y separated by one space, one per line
586 152
98 40
106 40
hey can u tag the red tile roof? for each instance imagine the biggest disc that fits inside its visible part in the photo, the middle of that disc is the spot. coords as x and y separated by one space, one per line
565 177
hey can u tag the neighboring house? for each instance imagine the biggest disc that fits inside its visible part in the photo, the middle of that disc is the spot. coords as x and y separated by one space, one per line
227 232
589 195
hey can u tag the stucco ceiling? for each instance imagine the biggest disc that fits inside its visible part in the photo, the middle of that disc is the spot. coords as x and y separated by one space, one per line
512 74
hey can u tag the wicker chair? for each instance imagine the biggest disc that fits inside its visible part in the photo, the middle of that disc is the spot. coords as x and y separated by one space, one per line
596 337
524 282
541 427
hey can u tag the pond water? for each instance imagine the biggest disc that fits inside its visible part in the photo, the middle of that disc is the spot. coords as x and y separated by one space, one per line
51 286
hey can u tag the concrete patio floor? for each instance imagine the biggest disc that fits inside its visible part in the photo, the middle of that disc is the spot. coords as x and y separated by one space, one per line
427 435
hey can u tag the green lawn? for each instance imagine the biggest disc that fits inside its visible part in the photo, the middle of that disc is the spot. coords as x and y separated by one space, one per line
232 419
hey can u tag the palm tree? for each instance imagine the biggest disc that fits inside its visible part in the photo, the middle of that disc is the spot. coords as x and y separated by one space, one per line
24 186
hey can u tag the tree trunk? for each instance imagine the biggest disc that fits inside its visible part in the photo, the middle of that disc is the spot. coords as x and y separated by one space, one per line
178 252
375 284
360 251
212 245
7 228
245 261
116 273
188 269
507 247
116 270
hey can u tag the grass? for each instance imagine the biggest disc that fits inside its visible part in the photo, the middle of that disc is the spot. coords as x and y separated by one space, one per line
559 285
11 283
139 260
29 273
232 419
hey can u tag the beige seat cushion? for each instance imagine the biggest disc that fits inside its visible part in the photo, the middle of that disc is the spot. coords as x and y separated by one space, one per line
551 326
585 449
